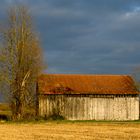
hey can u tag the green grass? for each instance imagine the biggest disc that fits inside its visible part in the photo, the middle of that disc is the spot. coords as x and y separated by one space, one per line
41 121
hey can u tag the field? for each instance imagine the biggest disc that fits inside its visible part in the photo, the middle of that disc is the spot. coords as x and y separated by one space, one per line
4 109
67 130
61 130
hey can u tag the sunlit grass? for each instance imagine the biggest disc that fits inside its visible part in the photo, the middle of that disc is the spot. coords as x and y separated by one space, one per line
77 130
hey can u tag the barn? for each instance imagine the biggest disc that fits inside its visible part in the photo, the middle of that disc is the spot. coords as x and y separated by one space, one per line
88 97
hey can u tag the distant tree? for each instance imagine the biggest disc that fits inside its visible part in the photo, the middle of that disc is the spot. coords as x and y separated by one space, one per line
136 76
20 61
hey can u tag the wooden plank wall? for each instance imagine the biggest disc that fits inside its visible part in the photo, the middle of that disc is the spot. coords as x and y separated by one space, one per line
90 107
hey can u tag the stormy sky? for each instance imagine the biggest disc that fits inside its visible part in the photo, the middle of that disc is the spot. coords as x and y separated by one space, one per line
86 36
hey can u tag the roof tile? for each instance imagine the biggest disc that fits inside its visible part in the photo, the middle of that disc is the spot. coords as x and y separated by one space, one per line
86 84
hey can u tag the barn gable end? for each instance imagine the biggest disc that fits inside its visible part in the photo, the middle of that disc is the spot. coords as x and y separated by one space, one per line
88 97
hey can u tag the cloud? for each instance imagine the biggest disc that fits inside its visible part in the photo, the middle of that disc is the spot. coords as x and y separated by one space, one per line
88 36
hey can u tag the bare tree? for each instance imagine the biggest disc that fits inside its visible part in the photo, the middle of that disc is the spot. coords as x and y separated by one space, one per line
20 61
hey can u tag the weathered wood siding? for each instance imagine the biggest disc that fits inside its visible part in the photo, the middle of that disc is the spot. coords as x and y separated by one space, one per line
90 107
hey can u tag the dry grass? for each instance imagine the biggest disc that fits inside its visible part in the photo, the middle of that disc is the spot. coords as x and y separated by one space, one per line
70 131
4 109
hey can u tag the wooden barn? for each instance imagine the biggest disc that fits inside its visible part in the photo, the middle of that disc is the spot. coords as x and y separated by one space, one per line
88 97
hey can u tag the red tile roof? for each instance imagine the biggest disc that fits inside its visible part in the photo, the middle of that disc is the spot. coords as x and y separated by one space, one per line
86 84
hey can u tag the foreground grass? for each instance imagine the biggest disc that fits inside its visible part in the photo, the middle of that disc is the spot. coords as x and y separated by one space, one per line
69 130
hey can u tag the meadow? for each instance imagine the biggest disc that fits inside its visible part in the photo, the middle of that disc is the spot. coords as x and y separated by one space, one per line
70 130
66 130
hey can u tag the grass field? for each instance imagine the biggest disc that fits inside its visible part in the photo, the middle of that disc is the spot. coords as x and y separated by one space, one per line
70 131
67 130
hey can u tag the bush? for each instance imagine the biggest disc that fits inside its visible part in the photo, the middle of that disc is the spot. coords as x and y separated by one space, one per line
54 117
5 117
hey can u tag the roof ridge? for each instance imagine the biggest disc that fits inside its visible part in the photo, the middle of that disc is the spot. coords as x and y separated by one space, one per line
86 74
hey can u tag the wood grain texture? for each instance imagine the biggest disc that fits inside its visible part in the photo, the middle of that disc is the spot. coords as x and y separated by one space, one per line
90 107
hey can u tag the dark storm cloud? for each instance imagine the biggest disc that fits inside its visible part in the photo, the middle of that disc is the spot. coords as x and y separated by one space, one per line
87 36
